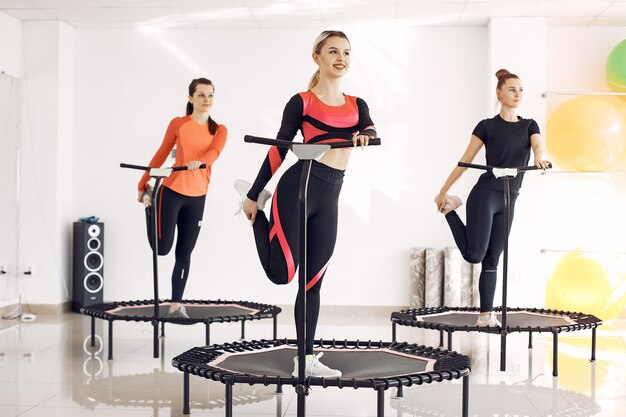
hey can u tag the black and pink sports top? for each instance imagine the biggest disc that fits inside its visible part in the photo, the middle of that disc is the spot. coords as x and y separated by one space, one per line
319 123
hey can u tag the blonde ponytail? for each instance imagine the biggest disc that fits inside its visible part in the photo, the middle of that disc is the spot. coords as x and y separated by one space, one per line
314 79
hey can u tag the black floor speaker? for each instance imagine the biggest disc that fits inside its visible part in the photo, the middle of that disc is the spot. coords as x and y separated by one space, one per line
87 265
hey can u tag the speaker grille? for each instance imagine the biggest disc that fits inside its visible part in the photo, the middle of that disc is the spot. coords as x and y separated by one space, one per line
94 261
93 282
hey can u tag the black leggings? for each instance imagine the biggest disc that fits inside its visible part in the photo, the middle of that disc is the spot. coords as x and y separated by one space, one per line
482 240
184 212
277 239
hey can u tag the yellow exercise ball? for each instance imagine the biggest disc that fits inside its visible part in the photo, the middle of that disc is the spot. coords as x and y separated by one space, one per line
588 283
587 134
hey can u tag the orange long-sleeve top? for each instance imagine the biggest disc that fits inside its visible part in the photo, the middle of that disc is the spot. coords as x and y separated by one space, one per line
193 143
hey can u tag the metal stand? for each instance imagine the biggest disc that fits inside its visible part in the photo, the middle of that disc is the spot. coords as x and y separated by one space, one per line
306 153
158 174
506 174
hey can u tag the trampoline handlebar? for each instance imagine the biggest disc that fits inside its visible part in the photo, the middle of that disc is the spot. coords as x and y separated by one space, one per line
144 168
287 144
489 167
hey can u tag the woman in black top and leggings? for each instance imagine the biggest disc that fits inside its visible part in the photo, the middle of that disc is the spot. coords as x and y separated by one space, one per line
508 139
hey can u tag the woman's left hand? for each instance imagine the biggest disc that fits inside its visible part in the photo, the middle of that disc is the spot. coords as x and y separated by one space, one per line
193 165
542 163
361 140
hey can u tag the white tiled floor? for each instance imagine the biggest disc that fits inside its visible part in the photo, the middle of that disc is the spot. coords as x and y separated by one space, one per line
47 370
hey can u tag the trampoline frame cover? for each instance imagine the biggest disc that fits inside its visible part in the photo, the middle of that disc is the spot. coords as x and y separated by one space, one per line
419 318
206 361
254 311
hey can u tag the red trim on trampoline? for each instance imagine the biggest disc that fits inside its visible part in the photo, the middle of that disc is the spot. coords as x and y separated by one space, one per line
275 159
317 277
277 231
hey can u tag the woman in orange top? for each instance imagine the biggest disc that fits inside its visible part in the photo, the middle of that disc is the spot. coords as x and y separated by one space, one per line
180 201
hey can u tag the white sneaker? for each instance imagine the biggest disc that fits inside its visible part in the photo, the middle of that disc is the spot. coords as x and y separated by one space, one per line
181 313
453 202
315 368
243 187
489 320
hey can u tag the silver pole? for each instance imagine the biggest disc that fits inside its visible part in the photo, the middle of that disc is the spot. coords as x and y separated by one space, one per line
582 93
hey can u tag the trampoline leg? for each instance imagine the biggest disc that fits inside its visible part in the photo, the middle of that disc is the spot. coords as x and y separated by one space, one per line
186 393
279 406
380 408
275 327
502 351
393 332
449 340
301 407
399 393
207 334
530 340
440 338
155 339
243 330
593 344
228 412
93 331
110 340
555 354
162 329
465 406
279 388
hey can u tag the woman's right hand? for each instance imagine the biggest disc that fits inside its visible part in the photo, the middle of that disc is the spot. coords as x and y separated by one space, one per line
440 201
147 202
250 209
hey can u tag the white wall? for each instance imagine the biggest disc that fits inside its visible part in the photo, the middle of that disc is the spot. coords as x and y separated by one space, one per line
425 91
10 51
46 160
527 59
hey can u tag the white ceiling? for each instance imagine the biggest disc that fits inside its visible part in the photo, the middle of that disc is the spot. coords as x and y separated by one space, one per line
185 14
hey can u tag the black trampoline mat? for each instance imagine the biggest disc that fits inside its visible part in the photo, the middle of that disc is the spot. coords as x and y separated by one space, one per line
513 319
353 363
195 311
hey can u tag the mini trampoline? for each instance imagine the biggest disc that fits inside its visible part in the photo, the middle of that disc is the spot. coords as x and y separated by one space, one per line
531 320
199 311
376 365
155 310
451 319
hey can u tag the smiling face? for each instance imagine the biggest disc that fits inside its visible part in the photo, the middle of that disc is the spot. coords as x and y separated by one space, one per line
510 93
202 98
333 57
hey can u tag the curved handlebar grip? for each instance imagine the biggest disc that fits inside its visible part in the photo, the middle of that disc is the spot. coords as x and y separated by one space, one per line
489 167
287 144
533 167
184 168
144 168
